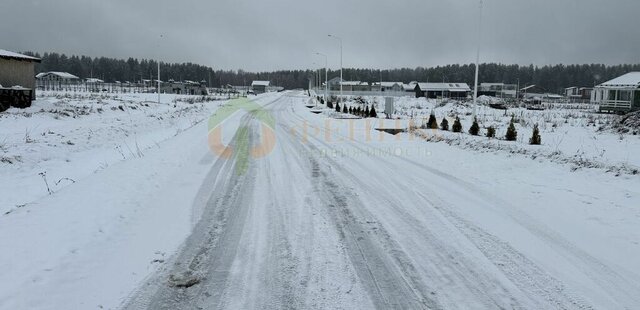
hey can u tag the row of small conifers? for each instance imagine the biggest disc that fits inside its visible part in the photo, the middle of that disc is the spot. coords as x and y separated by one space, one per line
474 130
357 110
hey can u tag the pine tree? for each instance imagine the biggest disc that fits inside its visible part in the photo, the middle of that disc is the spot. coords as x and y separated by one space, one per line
535 138
350 110
330 105
512 134
491 132
444 125
344 109
373 113
475 128
338 108
433 122
457 125
366 112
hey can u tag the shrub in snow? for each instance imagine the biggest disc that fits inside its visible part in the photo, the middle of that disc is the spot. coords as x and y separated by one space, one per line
330 105
373 113
344 109
491 132
338 108
433 122
350 110
535 138
475 128
444 125
512 134
457 126
366 112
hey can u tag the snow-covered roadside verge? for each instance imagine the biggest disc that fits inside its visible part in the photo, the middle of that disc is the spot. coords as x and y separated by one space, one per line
63 138
482 145
574 136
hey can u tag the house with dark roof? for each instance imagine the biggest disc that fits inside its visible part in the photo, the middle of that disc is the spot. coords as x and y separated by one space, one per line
442 90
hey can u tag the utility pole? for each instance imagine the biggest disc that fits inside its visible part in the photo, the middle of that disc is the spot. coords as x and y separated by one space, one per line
341 80
326 76
475 88
159 76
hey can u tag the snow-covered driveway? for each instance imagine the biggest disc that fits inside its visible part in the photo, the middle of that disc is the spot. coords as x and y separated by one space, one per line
337 219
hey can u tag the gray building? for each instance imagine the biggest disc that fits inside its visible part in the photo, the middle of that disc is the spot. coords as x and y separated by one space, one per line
184 88
260 87
17 79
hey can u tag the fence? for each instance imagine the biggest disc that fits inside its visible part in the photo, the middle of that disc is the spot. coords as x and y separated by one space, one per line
117 88
320 91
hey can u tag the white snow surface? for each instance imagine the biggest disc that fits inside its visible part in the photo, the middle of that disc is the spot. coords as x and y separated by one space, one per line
16 55
338 215
631 79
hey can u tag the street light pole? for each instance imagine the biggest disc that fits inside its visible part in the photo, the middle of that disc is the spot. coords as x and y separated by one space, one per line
159 77
339 39
326 76
475 88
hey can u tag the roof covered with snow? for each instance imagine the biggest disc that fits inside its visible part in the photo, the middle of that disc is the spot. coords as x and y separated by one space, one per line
63 75
354 83
261 83
631 79
389 84
15 56
452 87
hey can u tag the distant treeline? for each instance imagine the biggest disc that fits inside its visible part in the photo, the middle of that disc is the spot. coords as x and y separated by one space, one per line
551 78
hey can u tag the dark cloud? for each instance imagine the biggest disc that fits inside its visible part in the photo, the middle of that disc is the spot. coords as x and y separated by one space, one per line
284 34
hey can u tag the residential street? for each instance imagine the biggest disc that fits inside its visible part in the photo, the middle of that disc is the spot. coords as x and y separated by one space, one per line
304 227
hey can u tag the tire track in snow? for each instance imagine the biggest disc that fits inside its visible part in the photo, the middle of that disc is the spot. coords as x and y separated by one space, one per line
213 244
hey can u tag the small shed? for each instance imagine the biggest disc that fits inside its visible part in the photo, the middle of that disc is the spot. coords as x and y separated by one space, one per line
260 87
17 77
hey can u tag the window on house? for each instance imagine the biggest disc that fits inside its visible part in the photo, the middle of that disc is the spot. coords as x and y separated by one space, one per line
624 95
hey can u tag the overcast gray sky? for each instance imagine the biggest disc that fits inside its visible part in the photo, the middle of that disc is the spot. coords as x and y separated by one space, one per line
284 34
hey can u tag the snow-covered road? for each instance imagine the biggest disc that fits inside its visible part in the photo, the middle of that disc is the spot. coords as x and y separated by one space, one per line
335 218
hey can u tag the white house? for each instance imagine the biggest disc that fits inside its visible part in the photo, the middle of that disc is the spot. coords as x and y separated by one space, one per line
621 94
55 79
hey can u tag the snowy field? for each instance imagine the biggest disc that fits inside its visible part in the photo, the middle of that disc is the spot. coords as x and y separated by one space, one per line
139 214
65 137
572 134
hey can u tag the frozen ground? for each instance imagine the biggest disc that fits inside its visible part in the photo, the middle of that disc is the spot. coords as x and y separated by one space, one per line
336 216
